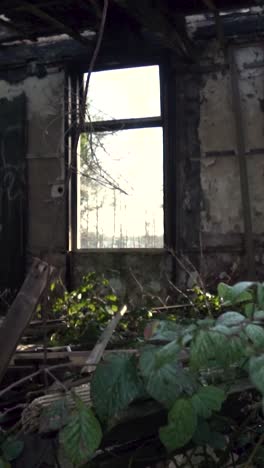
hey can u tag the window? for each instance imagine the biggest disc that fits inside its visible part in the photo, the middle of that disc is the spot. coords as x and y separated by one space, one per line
120 162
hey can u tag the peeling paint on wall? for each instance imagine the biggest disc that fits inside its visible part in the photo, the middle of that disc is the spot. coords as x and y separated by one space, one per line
221 208
45 158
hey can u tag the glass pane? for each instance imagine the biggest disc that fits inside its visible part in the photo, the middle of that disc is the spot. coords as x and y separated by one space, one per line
121 189
124 94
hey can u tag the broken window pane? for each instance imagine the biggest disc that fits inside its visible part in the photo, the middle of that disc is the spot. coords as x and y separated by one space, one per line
121 189
124 94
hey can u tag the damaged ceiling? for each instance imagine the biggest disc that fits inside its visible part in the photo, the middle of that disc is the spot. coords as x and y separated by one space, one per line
30 20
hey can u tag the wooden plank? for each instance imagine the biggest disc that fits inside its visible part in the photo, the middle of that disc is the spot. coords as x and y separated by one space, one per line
77 358
98 351
54 22
21 311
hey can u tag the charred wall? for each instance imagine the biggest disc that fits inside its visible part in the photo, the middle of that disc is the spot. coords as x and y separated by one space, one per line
205 208
45 213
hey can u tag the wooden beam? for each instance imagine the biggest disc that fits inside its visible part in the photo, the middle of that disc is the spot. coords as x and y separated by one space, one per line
219 26
156 22
58 24
21 311
9 7
12 27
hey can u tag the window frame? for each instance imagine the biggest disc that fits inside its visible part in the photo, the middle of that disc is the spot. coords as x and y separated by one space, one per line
166 121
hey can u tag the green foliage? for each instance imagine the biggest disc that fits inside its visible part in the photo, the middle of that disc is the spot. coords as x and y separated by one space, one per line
256 335
86 310
185 366
237 294
204 302
10 449
256 372
230 319
207 400
177 366
212 345
164 330
205 435
54 417
182 422
164 377
115 385
82 435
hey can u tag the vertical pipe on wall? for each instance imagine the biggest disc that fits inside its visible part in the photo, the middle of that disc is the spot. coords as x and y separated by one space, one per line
243 171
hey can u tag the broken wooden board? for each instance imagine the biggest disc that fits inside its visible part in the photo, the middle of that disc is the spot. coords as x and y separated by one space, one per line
21 311
98 351
77 358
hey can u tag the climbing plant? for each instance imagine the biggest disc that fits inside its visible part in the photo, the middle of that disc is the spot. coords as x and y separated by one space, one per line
191 371
85 310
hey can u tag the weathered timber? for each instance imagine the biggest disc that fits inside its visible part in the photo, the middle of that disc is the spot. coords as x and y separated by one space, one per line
97 352
157 23
77 358
61 26
21 311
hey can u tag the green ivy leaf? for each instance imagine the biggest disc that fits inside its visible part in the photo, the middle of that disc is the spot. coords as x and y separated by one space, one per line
167 353
165 379
182 422
259 315
212 347
202 349
230 319
260 295
82 435
115 384
228 331
256 372
256 334
235 294
54 417
12 448
147 360
235 351
207 400
163 330
204 435
248 310
111 298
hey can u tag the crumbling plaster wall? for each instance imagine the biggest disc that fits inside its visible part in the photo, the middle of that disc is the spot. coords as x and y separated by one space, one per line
209 211
221 209
131 273
46 209
135 276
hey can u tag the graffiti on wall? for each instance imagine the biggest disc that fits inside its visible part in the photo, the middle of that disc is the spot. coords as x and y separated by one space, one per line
12 170
12 180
